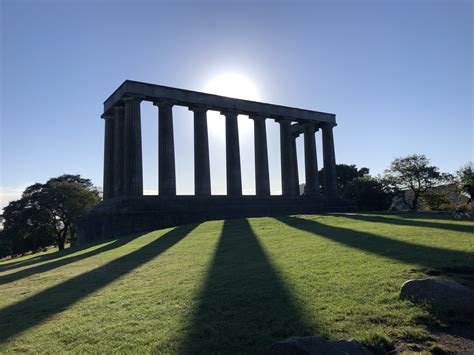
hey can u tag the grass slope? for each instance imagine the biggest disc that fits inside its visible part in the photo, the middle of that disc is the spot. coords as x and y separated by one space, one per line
230 286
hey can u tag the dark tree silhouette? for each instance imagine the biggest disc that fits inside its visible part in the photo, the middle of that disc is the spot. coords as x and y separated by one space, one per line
344 174
368 193
47 213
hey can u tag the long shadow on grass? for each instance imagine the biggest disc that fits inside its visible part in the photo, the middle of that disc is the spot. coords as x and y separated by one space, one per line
243 305
61 262
36 309
412 223
29 261
46 257
395 249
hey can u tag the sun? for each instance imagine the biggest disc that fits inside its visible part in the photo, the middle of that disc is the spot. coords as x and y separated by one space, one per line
234 85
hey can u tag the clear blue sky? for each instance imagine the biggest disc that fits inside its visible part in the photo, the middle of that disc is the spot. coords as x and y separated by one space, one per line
398 75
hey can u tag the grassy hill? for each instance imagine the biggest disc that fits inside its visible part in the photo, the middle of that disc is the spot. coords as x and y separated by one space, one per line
232 286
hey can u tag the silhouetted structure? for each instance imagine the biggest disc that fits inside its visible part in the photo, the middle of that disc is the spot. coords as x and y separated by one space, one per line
125 210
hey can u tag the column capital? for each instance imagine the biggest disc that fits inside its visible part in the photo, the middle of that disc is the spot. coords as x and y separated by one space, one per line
107 116
164 103
112 114
311 125
257 117
230 113
327 124
198 109
282 120
132 98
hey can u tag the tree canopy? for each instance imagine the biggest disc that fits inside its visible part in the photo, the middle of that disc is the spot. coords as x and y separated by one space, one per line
466 178
415 175
368 193
47 214
344 173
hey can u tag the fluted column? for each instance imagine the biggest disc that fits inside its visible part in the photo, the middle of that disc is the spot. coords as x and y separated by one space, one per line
329 158
119 151
310 159
202 175
234 178
133 148
166 162
294 152
109 144
286 156
262 176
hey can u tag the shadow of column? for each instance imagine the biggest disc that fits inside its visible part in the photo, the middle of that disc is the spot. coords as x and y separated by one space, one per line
50 256
5 279
36 309
244 304
392 248
395 220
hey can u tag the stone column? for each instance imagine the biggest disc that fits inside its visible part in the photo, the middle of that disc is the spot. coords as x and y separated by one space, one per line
202 175
294 152
166 164
133 147
109 150
286 155
234 178
119 151
329 158
262 176
310 160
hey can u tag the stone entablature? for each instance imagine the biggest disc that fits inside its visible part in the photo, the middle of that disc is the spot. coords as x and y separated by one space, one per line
188 98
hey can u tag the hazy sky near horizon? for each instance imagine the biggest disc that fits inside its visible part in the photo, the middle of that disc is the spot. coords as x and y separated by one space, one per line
398 75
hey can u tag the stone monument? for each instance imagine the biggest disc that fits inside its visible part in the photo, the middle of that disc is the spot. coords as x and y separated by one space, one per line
126 210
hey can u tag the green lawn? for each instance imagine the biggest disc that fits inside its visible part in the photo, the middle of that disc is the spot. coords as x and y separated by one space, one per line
232 286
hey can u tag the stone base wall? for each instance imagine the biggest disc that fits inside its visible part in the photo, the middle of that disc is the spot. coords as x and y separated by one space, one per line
127 215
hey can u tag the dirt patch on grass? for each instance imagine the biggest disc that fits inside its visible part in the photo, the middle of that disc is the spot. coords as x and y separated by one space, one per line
458 339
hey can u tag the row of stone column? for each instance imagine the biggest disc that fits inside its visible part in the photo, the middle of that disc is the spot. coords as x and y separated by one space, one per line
123 171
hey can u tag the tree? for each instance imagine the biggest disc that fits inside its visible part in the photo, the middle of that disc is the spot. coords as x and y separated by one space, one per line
26 228
413 174
344 174
368 193
438 200
466 179
48 213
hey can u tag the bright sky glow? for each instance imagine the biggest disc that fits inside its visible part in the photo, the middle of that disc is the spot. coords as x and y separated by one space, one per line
231 84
